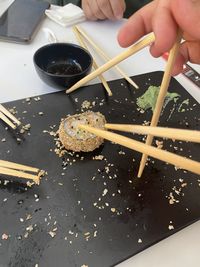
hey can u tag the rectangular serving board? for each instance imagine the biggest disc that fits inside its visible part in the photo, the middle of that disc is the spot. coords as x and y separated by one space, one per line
100 212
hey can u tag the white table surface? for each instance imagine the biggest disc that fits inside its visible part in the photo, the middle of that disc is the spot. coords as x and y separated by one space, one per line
18 79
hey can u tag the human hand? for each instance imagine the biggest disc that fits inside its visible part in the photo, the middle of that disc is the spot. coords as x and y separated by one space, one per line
103 9
164 17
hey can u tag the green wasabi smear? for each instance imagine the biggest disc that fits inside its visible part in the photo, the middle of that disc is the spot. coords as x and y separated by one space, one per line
149 98
181 108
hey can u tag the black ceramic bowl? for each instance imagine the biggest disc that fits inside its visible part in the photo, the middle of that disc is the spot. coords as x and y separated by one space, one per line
61 65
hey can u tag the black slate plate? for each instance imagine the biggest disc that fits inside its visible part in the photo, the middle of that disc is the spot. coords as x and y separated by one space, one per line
101 213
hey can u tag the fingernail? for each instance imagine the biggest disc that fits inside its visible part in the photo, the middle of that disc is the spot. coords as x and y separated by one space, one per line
119 16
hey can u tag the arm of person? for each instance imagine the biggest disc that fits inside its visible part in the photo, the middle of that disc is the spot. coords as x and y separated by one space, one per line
164 17
103 9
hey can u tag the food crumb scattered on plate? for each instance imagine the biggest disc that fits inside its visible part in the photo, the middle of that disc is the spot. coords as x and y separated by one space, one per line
52 234
170 226
4 236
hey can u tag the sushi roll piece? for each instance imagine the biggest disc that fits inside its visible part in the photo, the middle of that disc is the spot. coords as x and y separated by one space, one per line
75 139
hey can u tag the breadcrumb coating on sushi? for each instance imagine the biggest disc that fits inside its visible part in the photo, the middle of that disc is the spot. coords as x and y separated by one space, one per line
79 140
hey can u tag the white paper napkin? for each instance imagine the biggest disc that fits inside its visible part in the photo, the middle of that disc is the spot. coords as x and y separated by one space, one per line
67 15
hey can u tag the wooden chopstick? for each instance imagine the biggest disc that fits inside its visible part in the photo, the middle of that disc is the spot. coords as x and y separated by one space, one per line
95 66
105 56
172 133
160 154
132 50
13 165
20 174
7 121
18 170
9 115
161 96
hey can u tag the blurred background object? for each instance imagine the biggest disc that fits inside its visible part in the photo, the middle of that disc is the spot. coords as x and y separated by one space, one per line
131 5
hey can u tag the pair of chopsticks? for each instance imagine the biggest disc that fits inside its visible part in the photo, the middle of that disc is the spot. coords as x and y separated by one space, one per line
114 61
104 56
111 62
186 135
164 85
95 65
21 171
8 117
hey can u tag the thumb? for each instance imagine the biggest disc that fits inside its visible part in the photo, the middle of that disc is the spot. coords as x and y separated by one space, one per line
191 51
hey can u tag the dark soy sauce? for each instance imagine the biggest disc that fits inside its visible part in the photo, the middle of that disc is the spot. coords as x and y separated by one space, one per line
64 68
